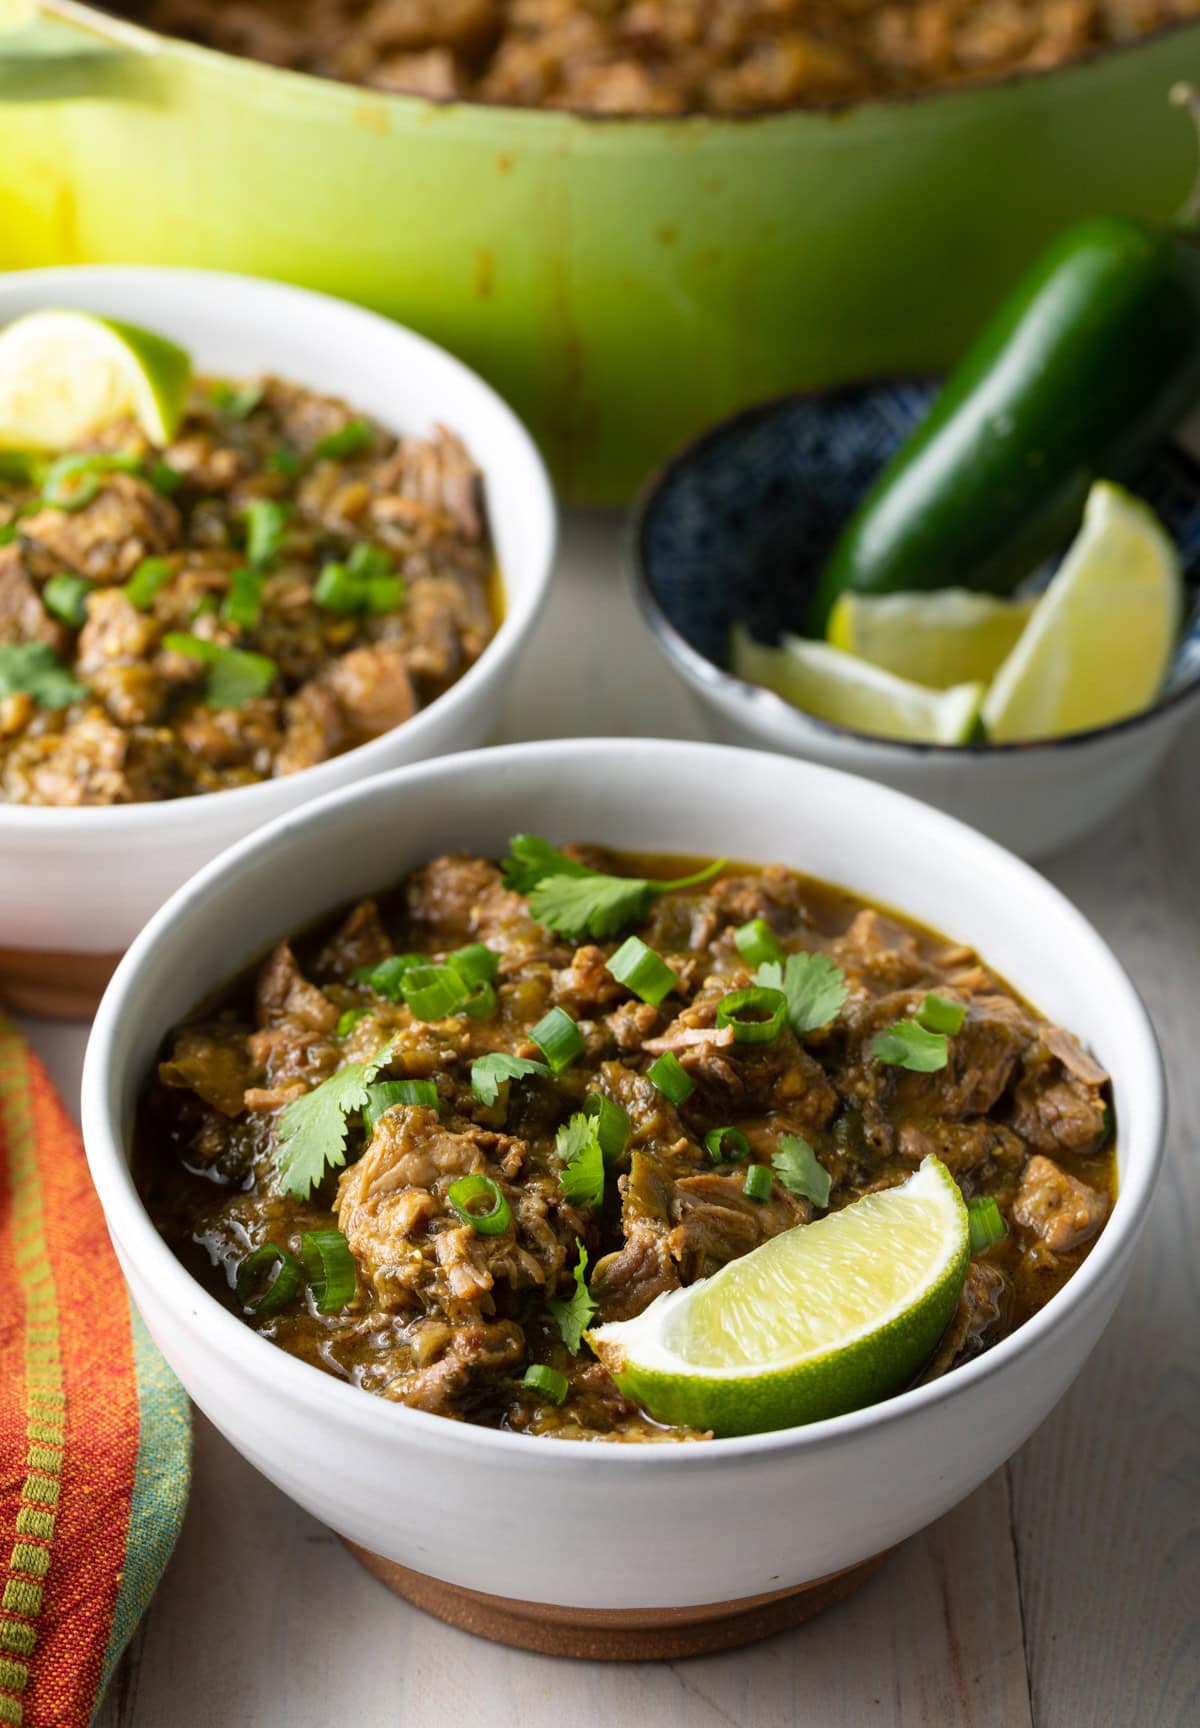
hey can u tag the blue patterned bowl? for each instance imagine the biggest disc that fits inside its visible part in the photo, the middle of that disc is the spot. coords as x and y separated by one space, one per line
738 524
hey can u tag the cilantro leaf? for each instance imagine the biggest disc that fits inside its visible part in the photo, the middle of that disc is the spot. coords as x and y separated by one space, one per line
489 1071
582 1175
34 669
573 1314
815 989
908 1045
235 676
531 860
596 905
800 1171
311 1134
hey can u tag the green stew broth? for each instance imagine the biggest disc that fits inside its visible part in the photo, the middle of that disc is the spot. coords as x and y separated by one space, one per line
449 1311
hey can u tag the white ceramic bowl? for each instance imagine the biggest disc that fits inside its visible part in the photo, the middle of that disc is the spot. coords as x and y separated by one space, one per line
82 882
600 1526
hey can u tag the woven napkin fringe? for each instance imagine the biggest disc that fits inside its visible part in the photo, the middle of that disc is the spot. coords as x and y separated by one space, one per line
95 1432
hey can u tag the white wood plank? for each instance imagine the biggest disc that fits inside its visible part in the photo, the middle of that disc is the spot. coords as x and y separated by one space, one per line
1107 1494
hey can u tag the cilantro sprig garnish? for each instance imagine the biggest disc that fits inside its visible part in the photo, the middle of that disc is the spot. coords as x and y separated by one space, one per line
800 1171
815 989
34 669
489 1072
582 1175
311 1134
573 1313
575 901
921 1044
233 677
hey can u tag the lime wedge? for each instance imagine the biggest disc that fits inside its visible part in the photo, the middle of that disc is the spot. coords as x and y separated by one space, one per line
1100 640
64 375
832 685
824 1318
949 636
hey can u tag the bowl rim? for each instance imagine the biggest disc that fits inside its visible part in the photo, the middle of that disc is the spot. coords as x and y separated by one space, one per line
296 1382
521 610
704 674
146 41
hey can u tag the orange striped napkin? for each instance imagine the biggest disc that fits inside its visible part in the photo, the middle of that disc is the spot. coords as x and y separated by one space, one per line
95 1431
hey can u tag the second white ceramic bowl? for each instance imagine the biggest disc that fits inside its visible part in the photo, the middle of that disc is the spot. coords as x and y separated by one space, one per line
603 1526
82 882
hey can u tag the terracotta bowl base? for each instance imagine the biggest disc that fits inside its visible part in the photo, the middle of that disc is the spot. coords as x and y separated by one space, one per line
56 986
617 1635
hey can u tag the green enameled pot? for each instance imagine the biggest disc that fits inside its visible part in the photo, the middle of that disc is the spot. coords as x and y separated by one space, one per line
622 281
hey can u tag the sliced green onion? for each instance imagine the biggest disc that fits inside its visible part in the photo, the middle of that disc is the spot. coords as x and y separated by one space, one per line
8 532
757 1014
332 1274
349 1019
475 964
480 1003
235 400
265 520
641 970
65 598
936 1014
165 479
234 677
757 1185
285 461
256 1290
365 582
984 1222
548 1381
757 943
385 594
337 591
558 1038
243 603
149 576
385 1094
352 438
432 992
464 1195
73 481
387 977
612 1125
723 1144
671 1078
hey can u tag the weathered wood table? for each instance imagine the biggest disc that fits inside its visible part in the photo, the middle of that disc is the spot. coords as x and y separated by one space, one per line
1065 1592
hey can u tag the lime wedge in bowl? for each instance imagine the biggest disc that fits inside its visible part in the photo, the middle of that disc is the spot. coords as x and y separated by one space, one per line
938 638
831 685
825 1318
1100 641
63 375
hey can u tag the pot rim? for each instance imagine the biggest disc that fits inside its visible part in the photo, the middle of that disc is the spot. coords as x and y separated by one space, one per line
297 1384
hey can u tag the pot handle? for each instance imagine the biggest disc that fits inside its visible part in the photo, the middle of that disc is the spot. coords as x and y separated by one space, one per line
44 58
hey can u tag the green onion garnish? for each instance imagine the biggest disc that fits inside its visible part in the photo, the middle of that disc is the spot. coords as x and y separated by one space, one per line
386 978
265 520
465 1194
235 400
349 1019
332 1274
165 479
475 964
243 602
235 676
757 943
671 1078
337 591
350 440
726 1144
65 598
558 1038
936 1014
612 1125
480 1003
641 970
149 576
386 1093
547 1381
757 1014
433 992
72 482
757 1185
365 582
260 1293
285 461
984 1222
